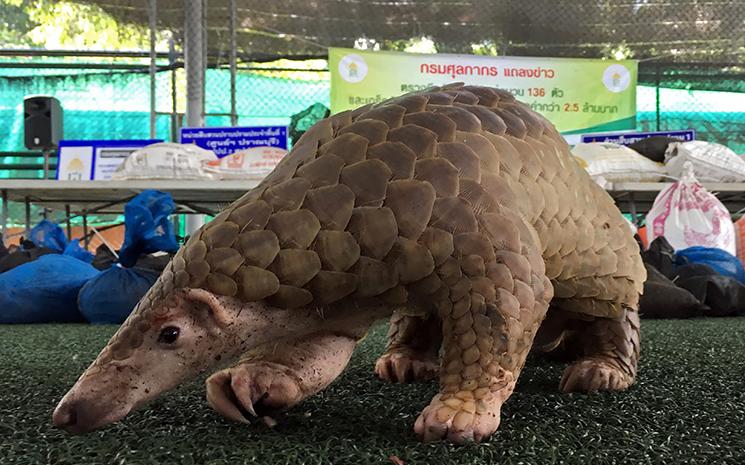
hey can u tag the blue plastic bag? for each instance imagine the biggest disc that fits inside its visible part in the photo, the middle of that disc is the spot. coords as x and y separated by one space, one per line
111 296
147 227
48 234
44 291
73 249
719 260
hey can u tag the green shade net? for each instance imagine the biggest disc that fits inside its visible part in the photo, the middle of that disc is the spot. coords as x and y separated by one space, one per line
115 104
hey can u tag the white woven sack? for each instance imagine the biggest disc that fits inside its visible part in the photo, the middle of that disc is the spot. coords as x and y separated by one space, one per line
711 162
616 163
686 215
254 163
165 161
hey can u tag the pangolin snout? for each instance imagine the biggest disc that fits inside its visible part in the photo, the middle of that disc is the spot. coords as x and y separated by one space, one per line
77 416
70 416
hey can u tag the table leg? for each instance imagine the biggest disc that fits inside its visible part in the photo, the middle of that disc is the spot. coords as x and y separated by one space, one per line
632 209
4 194
28 216
85 229
176 220
69 224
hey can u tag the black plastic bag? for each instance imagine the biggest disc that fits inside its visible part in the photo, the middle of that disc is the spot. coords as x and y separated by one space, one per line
105 259
23 255
661 255
653 147
663 299
725 296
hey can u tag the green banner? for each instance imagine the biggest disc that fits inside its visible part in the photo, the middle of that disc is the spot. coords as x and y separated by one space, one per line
577 95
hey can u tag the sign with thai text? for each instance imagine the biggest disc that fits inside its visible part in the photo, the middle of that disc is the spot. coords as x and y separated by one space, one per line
226 141
628 138
576 95
94 160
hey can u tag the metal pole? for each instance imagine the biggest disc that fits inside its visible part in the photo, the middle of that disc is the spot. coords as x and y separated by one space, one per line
194 65
205 60
46 153
194 61
233 64
152 13
174 108
657 94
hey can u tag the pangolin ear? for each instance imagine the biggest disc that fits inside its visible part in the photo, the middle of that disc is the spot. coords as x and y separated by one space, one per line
211 305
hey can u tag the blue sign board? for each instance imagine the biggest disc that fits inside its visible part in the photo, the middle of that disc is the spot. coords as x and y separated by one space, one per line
226 141
628 138
87 160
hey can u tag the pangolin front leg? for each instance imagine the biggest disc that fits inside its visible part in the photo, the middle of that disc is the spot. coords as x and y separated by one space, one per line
490 315
610 355
412 353
277 376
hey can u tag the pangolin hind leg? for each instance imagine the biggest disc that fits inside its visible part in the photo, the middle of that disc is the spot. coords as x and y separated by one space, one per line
557 336
610 353
488 329
277 376
412 353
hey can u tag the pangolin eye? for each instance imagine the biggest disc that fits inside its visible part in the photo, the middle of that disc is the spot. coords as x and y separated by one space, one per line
168 335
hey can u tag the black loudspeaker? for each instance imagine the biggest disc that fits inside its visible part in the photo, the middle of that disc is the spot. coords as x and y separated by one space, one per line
42 122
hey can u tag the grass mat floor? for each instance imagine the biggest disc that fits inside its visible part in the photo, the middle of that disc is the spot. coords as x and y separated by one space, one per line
688 407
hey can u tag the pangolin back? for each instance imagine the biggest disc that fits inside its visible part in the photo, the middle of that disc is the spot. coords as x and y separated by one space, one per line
369 202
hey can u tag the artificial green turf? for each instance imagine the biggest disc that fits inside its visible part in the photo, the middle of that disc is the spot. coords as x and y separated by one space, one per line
688 407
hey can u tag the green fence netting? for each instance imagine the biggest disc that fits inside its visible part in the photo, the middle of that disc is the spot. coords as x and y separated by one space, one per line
115 104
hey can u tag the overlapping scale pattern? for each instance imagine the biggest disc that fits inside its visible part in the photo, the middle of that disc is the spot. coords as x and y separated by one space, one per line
460 194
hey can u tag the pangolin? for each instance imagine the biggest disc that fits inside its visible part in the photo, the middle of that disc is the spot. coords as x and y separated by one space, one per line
456 211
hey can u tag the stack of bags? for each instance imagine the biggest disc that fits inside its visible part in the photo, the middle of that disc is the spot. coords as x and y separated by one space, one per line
69 284
25 252
691 263
697 281
168 160
658 158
